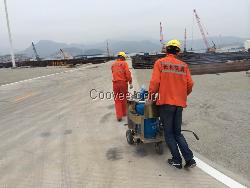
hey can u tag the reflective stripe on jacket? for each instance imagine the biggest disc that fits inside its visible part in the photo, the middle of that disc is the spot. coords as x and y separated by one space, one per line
120 71
172 80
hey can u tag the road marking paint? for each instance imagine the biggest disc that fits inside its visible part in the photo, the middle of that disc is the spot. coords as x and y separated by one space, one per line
218 175
22 98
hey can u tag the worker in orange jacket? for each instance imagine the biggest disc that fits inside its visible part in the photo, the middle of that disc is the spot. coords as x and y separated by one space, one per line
171 83
121 78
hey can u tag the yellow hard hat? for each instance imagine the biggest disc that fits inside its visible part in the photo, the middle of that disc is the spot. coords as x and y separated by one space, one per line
123 54
174 42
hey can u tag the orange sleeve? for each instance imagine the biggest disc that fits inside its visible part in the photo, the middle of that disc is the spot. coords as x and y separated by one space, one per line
128 73
190 82
155 80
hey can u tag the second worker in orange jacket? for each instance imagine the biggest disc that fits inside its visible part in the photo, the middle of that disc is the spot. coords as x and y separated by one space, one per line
172 82
121 78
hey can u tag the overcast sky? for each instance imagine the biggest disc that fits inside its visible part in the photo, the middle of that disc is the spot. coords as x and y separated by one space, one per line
84 21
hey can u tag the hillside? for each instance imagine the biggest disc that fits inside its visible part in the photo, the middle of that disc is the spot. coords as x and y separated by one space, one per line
48 49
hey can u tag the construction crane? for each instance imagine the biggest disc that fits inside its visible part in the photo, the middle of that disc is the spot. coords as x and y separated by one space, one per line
163 50
35 52
161 34
185 41
66 56
209 49
108 51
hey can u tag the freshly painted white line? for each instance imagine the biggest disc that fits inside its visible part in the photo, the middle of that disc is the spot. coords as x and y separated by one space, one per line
218 175
68 71
29 79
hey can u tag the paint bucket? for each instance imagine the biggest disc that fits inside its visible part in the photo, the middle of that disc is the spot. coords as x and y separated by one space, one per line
150 128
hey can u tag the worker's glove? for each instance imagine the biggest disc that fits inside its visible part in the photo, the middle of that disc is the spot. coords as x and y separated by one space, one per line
131 86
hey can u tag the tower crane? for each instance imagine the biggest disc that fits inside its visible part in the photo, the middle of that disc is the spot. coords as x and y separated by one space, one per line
209 49
35 52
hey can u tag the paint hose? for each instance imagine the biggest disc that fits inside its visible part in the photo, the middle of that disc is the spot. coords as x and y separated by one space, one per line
195 135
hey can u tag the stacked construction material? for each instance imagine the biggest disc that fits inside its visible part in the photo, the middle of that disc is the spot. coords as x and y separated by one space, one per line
63 62
147 61
214 68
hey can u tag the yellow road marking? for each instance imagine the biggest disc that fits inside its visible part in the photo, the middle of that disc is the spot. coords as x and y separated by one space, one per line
22 98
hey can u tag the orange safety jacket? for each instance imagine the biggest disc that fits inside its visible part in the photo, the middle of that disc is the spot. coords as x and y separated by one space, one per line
120 71
172 80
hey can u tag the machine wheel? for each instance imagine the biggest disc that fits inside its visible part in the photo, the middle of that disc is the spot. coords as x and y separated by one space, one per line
159 148
129 136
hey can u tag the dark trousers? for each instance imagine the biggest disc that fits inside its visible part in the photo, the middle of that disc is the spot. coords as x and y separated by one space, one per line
171 117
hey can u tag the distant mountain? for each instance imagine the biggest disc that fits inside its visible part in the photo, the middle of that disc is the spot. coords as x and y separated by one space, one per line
155 46
135 46
45 48
220 42
127 46
4 50
93 52
51 49
48 49
73 51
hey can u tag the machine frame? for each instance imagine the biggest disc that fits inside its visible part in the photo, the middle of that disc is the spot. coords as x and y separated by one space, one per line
136 121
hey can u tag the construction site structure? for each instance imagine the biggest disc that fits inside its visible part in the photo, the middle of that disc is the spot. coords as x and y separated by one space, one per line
66 55
108 51
209 49
161 34
247 45
35 52
163 50
185 41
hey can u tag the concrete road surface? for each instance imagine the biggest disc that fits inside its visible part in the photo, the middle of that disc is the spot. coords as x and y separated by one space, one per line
52 134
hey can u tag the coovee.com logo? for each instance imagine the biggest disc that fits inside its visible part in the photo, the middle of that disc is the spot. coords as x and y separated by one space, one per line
94 94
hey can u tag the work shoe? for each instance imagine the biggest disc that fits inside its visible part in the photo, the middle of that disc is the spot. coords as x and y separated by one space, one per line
190 164
176 165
